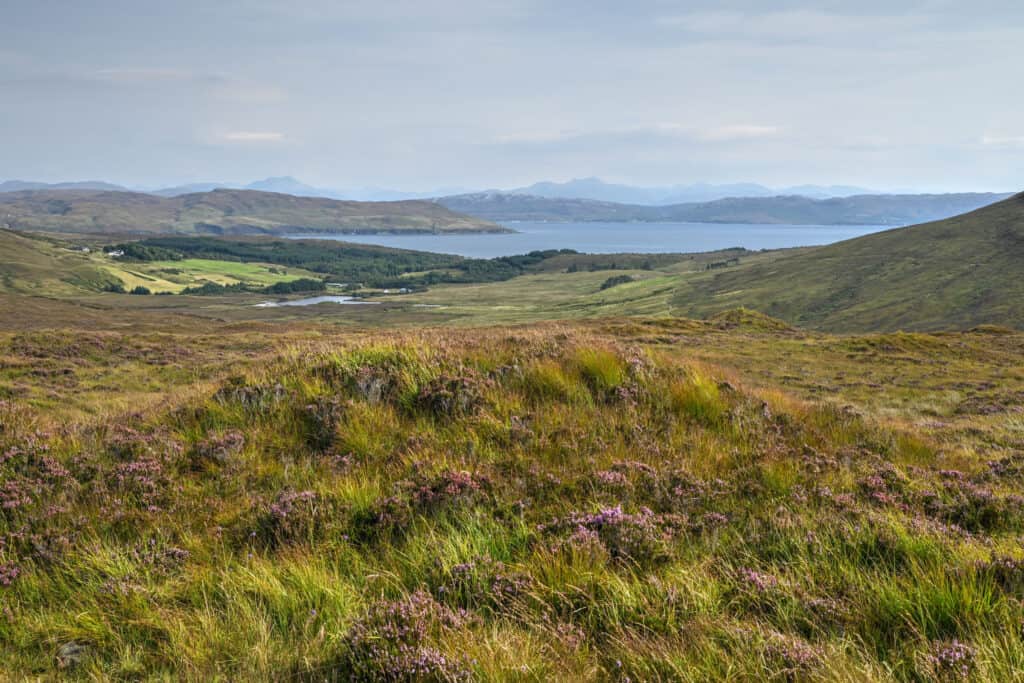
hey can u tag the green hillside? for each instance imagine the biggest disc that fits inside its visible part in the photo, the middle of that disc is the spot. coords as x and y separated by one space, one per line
222 212
955 273
41 267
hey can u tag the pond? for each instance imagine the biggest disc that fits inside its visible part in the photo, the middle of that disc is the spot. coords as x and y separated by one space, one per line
311 301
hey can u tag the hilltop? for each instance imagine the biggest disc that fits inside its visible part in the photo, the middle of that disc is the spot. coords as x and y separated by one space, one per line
792 209
954 273
222 211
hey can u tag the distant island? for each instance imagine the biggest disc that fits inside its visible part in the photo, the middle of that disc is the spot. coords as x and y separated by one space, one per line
870 209
224 212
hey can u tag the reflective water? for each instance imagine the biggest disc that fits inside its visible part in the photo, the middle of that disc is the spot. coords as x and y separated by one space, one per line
325 299
610 238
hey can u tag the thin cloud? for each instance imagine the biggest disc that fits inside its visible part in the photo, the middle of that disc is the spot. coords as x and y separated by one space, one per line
727 133
738 132
147 75
253 136
1004 141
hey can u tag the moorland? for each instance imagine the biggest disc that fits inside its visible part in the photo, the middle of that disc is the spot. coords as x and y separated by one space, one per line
557 466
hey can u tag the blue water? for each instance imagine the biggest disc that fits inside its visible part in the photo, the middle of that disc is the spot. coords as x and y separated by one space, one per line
611 238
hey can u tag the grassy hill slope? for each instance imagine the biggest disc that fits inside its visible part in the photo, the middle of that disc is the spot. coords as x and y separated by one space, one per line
222 212
955 273
555 503
40 266
37 266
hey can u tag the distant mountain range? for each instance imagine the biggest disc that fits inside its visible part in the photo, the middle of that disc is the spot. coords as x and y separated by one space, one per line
222 212
293 186
599 190
22 185
795 210
583 188
592 199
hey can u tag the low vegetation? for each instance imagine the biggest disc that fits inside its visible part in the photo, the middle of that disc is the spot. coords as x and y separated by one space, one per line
361 265
615 281
634 499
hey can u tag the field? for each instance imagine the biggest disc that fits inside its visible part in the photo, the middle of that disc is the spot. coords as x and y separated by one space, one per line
174 276
50 268
643 499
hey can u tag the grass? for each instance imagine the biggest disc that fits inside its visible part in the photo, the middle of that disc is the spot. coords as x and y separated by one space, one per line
955 273
174 276
657 499
210 491
41 266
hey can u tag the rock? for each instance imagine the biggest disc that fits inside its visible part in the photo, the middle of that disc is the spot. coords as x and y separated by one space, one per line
71 654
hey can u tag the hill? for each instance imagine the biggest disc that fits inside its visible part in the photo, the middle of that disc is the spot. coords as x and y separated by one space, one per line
222 211
37 266
955 273
856 210
795 210
23 185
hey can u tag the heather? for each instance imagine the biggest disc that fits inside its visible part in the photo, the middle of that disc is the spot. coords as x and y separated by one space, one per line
630 502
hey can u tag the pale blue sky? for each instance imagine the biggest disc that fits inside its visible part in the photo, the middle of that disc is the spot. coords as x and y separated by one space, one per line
417 94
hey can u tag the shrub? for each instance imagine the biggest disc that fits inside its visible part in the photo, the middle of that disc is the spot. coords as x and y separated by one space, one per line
448 396
1005 572
322 417
219 449
481 582
296 517
292 286
640 537
976 508
447 490
391 643
951 661
139 290
616 281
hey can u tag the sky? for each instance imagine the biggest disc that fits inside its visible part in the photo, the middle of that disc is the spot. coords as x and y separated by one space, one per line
424 94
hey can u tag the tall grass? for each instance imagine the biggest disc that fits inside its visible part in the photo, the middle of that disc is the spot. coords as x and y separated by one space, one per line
513 506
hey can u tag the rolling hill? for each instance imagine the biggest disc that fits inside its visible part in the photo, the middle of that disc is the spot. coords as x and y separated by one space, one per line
955 273
36 265
222 212
23 185
793 209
